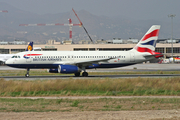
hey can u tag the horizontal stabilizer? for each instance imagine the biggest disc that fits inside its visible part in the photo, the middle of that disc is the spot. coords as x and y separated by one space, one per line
155 55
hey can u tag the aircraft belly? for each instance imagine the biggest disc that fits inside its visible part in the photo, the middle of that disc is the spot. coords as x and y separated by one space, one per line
34 66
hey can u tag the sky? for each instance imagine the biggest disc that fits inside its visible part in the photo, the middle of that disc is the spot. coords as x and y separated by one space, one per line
136 9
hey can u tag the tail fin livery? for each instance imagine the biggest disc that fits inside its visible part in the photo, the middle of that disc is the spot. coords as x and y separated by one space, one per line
30 47
148 41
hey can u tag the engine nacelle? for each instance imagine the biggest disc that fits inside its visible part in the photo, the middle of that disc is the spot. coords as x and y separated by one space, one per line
65 69
53 70
68 69
93 66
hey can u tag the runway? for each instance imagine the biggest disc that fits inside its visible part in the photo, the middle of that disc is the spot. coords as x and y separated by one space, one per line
89 77
136 67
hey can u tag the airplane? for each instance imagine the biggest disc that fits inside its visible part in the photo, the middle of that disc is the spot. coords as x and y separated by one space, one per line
174 59
5 57
78 61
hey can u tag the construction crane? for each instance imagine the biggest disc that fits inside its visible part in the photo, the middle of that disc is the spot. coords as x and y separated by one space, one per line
5 11
82 25
56 24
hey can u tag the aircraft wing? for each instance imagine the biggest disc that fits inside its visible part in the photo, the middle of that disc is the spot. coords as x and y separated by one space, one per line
85 62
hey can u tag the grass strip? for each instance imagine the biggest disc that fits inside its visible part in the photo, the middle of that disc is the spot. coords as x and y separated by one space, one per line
80 87
103 104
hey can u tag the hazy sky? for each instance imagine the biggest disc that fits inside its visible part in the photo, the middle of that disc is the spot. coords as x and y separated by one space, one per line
139 9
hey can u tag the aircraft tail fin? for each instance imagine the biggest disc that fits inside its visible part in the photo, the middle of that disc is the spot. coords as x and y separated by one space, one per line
148 42
30 47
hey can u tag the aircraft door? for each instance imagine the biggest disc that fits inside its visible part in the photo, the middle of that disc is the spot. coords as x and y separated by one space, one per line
132 57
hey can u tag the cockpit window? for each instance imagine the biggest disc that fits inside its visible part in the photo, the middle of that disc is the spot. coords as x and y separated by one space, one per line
15 56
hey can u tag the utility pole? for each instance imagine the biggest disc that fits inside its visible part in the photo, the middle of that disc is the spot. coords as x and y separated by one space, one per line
172 16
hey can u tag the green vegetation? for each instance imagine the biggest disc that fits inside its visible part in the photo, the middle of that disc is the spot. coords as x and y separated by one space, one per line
88 87
91 87
103 104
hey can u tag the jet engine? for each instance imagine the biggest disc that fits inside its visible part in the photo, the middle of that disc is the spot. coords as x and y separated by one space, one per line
53 70
65 69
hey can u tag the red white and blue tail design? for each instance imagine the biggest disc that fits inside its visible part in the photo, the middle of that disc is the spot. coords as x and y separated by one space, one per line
148 42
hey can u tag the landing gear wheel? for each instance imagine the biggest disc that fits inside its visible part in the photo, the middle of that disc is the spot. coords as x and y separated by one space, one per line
77 74
85 74
26 75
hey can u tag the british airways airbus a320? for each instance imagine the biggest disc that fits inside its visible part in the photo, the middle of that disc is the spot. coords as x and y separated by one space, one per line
78 61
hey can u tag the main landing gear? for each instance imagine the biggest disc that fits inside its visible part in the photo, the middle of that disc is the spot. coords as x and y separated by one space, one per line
77 74
27 74
84 74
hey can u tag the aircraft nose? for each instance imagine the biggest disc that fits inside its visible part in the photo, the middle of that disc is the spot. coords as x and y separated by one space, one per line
8 62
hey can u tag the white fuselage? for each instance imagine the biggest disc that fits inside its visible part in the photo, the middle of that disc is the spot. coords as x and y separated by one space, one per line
51 59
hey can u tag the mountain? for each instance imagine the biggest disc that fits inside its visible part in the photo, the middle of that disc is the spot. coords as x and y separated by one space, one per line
99 27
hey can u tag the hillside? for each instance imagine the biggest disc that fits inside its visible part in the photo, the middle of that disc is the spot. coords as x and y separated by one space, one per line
99 27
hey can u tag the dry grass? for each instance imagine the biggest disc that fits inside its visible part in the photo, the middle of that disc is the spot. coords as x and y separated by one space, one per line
107 86
103 104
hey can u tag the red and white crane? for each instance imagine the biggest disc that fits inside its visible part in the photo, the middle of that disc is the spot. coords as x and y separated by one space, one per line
56 24
5 11
82 25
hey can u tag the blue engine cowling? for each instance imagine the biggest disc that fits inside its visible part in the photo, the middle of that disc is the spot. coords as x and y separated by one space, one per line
65 69
92 66
68 69
53 71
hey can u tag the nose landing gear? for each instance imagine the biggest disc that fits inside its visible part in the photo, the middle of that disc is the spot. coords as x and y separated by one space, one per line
27 74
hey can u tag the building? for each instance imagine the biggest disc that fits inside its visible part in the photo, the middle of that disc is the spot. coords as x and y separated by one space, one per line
162 48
